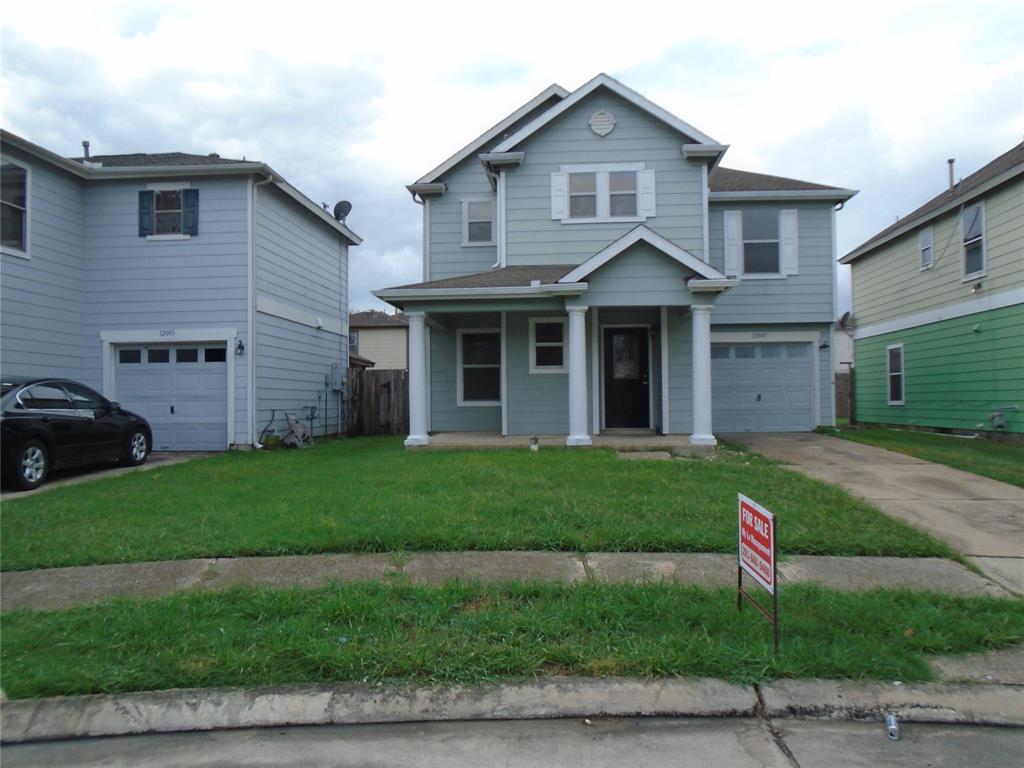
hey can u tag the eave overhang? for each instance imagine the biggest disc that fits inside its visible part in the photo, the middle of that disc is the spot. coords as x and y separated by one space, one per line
829 195
710 154
540 290
423 191
716 286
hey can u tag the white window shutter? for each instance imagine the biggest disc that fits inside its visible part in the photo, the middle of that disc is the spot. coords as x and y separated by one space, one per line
647 202
788 246
559 195
733 224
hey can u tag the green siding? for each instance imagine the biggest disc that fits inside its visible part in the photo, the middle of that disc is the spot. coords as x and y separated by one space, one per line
957 372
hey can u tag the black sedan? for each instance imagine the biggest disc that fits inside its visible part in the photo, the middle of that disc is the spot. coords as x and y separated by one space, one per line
48 424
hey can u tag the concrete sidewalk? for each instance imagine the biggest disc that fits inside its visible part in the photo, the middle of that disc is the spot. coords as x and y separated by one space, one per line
977 516
56 588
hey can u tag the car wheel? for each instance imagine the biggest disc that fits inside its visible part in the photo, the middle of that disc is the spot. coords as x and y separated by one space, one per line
32 465
138 448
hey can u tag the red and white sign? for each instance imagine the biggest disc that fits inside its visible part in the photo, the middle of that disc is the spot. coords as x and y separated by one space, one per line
757 542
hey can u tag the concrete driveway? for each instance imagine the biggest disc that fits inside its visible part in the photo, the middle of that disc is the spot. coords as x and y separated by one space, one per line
980 518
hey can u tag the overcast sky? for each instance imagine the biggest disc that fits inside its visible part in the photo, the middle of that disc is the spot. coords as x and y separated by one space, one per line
355 102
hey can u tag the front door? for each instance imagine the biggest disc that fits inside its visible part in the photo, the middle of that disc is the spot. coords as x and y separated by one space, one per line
627 395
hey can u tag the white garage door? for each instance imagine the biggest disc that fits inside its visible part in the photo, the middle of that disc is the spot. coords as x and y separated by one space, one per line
763 387
182 391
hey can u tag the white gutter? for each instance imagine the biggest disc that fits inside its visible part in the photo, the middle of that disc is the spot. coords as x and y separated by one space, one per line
786 194
698 285
508 292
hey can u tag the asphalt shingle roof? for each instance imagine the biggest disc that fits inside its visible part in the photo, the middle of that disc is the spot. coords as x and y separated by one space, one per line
143 159
731 180
961 190
506 277
376 319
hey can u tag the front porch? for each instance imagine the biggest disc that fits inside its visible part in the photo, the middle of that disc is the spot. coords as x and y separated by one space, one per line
626 441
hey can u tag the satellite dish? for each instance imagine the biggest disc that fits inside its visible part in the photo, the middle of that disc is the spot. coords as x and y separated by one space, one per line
342 209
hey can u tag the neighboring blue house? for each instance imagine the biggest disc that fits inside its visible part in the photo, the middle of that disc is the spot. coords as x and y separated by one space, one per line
198 291
588 267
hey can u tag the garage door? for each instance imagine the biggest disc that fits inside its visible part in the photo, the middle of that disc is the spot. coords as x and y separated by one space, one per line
762 387
181 390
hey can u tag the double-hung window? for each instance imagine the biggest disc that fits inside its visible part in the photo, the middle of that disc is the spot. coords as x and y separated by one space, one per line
547 345
479 366
14 203
478 221
924 242
894 367
169 211
603 192
973 228
761 242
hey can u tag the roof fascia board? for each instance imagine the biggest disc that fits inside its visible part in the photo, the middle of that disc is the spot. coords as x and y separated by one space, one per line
698 285
956 202
705 152
315 209
653 239
508 292
427 189
785 194
618 89
491 133
43 154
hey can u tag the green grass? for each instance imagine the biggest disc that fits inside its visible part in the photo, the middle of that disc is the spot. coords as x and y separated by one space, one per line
1000 461
473 633
371 495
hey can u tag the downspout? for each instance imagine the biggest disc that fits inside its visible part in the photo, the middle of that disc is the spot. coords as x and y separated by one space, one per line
251 317
420 200
499 216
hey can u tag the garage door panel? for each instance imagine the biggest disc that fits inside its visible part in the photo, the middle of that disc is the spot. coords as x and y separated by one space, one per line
766 387
194 389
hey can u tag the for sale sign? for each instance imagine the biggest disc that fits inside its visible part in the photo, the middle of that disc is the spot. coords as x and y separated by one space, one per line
757 542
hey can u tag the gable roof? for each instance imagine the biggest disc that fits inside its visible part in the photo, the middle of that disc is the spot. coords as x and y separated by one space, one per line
553 91
603 81
1002 169
374 318
506 277
652 238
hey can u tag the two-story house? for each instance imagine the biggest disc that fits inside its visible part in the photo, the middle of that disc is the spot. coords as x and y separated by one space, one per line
380 337
938 308
201 292
589 267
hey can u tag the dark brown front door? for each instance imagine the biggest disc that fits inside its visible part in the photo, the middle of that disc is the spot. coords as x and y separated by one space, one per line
626 391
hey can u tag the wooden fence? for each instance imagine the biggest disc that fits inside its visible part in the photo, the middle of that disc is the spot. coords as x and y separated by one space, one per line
378 402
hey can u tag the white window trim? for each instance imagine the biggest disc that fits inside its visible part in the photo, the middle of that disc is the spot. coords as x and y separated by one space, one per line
168 186
744 275
902 374
466 243
534 368
9 251
602 191
176 236
963 250
459 367
930 246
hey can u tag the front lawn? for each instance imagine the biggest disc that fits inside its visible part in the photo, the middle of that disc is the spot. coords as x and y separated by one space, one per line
371 494
472 633
1000 461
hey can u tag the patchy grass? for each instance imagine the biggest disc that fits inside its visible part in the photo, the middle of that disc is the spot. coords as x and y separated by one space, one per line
463 633
1000 461
371 495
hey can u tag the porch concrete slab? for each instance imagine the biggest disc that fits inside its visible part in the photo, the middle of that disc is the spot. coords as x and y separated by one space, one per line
56 588
677 445
1005 666
297 570
700 568
850 574
440 567
645 455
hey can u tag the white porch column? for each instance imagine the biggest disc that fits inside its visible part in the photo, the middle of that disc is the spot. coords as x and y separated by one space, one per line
577 377
702 434
417 379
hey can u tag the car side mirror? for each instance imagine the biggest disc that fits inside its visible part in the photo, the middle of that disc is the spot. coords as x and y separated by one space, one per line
114 406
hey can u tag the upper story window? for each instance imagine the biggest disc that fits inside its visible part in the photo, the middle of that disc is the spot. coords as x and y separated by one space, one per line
547 345
603 192
972 226
168 211
14 203
924 242
478 221
761 242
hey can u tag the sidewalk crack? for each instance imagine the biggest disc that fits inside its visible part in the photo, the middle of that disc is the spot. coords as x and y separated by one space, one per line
761 711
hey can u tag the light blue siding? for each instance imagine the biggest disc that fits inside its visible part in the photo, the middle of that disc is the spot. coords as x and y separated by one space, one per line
538 403
132 283
641 276
42 296
304 264
802 298
448 256
533 237
680 365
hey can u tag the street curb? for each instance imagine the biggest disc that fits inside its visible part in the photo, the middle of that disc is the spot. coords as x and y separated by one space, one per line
923 703
570 697
348 704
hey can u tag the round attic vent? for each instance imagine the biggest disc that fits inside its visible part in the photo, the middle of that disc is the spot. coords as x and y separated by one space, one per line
602 122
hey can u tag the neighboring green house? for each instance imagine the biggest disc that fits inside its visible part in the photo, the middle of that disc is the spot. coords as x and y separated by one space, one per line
938 307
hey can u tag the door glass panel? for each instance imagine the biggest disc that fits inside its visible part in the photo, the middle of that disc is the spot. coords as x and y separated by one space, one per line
158 355
719 352
796 350
215 355
745 351
189 355
771 351
129 356
625 356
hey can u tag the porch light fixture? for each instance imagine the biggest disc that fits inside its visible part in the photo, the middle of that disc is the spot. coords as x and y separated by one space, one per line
239 348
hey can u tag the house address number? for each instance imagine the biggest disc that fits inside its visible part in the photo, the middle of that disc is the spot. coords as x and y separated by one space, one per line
754 335
166 332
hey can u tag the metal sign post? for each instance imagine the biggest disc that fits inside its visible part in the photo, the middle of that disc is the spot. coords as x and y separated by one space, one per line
756 555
